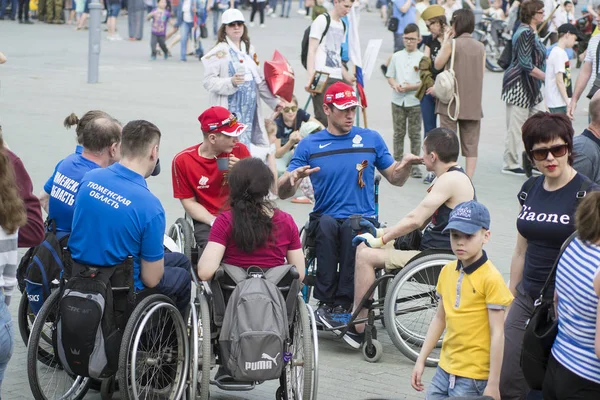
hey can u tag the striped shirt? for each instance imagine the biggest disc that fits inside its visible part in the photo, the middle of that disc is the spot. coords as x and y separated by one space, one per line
8 263
590 56
577 302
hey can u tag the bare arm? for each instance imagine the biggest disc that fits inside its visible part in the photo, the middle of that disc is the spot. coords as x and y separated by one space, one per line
398 172
313 44
584 76
210 260
496 320
517 263
406 6
152 272
197 211
2 58
288 146
296 257
560 84
443 55
288 183
538 73
44 198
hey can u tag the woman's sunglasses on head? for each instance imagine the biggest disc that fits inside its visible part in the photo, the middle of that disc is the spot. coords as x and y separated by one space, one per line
542 153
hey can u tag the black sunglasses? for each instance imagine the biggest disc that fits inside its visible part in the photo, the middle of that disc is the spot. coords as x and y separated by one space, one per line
542 153
236 23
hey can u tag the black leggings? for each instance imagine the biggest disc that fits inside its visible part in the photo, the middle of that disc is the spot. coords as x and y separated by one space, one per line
260 6
560 383
23 10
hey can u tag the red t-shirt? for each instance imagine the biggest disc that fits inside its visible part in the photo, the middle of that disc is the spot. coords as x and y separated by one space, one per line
198 177
272 254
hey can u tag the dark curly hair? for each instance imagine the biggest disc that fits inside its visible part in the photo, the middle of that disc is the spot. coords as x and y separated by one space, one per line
250 180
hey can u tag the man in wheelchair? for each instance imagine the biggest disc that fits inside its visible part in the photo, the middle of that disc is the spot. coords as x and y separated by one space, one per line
117 216
376 248
341 162
199 178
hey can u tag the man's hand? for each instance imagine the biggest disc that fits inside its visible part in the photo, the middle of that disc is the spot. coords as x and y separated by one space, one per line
415 378
368 240
348 77
232 160
368 227
300 173
398 88
410 159
571 108
492 391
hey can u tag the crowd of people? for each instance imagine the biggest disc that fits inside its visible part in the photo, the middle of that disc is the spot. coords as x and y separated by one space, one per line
226 184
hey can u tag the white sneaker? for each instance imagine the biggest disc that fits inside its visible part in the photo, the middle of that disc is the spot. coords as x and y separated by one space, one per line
269 11
301 11
308 17
273 15
251 24
117 37
262 25
111 38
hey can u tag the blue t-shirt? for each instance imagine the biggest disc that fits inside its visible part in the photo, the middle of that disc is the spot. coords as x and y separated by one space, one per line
117 216
546 220
409 17
50 181
336 185
68 174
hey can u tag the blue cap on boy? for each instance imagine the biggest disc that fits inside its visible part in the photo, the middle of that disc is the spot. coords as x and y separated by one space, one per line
468 217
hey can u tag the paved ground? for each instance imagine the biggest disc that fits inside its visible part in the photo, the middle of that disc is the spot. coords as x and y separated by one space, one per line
45 80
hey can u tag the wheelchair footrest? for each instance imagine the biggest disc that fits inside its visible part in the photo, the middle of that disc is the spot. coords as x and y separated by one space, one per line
225 382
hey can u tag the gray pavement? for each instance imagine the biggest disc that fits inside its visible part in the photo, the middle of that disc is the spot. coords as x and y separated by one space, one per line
45 80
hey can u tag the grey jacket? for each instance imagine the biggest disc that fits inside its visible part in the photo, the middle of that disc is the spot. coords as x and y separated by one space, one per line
586 155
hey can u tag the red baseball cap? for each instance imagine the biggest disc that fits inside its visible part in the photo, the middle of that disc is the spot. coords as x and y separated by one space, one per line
220 120
341 95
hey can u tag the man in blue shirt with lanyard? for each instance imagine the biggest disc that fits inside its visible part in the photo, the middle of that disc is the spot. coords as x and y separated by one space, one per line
341 162
117 216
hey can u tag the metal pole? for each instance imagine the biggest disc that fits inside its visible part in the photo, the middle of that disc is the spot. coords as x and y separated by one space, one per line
478 12
94 42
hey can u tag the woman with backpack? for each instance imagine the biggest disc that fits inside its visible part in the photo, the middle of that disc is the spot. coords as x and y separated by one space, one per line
12 216
253 231
234 81
546 220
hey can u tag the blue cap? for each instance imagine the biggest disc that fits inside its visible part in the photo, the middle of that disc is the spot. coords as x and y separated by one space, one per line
468 217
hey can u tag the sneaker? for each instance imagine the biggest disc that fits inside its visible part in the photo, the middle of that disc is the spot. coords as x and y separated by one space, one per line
166 56
301 12
152 58
353 338
269 11
301 200
329 320
429 178
416 173
28 22
273 15
322 308
513 171
262 25
307 17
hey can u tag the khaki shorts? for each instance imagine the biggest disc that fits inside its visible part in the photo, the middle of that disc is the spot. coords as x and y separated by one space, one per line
397 259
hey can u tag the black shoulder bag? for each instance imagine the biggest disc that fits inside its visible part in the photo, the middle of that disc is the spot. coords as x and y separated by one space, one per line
596 84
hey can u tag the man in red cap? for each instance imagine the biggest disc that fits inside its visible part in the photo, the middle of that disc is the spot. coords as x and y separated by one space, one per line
341 162
200 172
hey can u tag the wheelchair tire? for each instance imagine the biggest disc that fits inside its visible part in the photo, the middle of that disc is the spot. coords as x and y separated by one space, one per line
107 388
162 369
419 279
183 234
206 348
25 318
298 379
64 385
374 352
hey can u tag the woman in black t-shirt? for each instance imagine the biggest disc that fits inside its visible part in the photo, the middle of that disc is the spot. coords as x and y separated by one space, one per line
545 221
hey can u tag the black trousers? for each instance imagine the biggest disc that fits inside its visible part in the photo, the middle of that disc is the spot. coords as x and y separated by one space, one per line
23 10
260 7
161 42
562 384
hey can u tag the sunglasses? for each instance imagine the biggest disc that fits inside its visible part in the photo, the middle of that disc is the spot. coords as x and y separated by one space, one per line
231 121
236 24
410 39
557 151
539 12
290 109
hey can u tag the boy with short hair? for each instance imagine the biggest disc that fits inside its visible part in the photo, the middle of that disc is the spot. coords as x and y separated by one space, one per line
403 77
473 300
558 72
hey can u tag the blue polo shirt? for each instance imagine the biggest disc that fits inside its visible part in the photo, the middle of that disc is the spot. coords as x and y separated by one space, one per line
65 184
117 216
337 189
50 181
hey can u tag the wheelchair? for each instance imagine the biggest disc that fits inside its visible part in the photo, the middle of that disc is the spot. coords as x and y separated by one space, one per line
182 233
298 380
153 356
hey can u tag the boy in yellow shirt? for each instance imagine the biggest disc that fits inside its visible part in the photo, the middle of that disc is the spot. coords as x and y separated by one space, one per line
473 300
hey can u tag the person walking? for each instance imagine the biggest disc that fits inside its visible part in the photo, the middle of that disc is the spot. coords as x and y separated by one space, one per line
160 18
258 5
469 66
23 13
522 82
135 19
233 79
548 204
217 8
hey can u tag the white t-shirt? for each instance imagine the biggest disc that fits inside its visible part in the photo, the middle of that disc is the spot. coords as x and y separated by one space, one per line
558 61
329 53
187 12
590 56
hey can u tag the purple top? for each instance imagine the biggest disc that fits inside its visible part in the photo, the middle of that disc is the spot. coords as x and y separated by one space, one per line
159 22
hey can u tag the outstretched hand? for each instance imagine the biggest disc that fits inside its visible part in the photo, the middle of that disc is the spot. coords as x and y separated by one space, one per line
300 173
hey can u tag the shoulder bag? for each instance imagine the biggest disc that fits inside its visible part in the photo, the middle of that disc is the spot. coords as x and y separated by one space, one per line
445 87
541 331
596 84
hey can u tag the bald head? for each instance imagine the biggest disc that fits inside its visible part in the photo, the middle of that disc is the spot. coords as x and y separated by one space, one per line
100 134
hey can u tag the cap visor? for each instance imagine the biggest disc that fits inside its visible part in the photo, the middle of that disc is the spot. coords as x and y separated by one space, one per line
462 226
346 105
234 131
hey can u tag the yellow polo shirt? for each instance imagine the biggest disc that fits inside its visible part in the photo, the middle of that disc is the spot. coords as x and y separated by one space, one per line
467 294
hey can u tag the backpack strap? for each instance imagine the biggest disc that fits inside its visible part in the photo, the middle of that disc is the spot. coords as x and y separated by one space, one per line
328 19
585 185
452 56
237 274
527 187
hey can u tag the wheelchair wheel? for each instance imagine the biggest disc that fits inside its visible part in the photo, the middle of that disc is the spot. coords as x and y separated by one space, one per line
26 317
182 233
47 378
153 359
205 353
299 370
411 304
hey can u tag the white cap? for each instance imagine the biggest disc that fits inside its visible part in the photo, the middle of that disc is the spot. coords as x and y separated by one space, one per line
232 15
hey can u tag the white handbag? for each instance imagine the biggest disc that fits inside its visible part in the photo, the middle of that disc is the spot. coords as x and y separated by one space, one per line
445 87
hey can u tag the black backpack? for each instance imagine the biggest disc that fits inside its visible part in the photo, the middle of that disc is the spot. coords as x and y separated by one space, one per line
39 267
306 38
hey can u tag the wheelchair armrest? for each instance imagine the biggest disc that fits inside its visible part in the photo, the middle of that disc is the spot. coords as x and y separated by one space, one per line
294 272
207 291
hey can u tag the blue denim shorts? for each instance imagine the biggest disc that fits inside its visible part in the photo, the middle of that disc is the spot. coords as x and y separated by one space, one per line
439 388
7 341
113 10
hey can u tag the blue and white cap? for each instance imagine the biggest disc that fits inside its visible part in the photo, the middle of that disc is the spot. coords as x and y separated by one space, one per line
468 217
